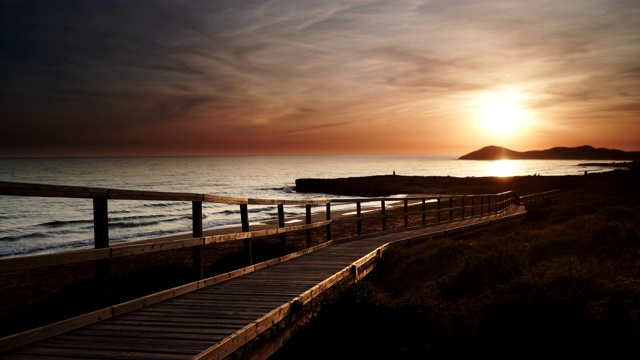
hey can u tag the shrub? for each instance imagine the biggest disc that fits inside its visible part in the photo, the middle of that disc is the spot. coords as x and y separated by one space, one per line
478 273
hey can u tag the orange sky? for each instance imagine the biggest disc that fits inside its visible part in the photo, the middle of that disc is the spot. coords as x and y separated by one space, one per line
119 78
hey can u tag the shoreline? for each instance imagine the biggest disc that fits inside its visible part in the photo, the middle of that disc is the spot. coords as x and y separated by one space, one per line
395 185
387 185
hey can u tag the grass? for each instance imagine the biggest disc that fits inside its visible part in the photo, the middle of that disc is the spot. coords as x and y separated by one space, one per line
564 282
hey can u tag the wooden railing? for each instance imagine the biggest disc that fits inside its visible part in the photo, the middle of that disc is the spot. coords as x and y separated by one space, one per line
552 195
386 214
430 210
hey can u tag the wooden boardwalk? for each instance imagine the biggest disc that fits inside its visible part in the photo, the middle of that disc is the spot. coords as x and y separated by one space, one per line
224 317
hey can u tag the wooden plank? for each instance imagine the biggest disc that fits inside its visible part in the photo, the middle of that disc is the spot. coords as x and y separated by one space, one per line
190 319
120 194
236 297
67 343
244 335
224 199
33 352
218 305
173 310
287 202
238 201
17 263
310 294
216 316
171 293
138 303
114 333
34 189
152 327
148 331
148 247
43 332
212 239
366 200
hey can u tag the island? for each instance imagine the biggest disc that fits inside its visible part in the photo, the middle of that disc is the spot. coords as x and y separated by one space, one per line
585 152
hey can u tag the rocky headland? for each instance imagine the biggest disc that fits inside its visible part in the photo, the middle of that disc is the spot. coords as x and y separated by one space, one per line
585 152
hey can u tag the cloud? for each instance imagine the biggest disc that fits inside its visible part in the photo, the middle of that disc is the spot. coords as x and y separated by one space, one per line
114 70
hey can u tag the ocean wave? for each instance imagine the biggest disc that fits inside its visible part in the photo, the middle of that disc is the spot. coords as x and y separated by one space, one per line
39 235
141 217
274 214
160 205
133 224
251 210
130 237
12 238
61 223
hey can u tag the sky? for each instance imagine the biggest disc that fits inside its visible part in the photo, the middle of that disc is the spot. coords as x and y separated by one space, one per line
302 77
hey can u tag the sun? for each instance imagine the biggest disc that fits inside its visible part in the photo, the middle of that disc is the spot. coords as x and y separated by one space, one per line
501 113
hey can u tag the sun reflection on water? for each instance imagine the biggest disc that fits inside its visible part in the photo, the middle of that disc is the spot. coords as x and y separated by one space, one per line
503 168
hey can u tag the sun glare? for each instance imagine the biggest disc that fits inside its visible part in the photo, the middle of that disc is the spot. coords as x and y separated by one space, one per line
501 113
503 168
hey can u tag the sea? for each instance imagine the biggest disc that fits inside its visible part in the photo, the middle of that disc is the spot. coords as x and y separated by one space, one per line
35 225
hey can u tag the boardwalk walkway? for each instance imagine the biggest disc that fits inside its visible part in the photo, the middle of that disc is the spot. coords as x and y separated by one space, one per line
217 320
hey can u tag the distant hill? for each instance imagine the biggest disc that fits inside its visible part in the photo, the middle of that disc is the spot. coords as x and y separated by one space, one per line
585 152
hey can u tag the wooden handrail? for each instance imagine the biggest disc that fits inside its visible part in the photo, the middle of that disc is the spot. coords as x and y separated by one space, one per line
440 209
465 205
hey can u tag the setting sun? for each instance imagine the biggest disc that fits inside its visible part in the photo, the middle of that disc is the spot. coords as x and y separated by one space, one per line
501 113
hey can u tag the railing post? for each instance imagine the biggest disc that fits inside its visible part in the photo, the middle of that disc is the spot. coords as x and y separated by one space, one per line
198 263
308 221
450 208
283 236
439 205
462 206
244 218
489 197
481 205
329 224
101 234
473 206
424 212
406 213
383 213
359 216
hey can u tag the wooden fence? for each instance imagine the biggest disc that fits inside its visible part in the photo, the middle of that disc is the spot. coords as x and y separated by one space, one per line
427 210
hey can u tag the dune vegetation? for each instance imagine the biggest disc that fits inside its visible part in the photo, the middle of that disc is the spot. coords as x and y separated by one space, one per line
563 282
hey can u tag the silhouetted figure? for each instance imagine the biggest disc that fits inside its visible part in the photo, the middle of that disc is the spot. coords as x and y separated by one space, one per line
394 172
